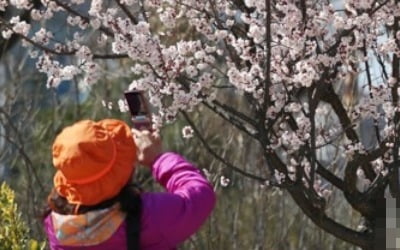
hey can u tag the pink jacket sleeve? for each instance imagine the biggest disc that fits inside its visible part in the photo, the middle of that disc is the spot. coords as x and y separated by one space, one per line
189 200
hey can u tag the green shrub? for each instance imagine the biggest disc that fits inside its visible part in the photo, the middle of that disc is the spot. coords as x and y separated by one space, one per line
14 233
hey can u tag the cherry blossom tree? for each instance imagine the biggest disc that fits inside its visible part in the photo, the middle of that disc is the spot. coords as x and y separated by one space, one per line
290 60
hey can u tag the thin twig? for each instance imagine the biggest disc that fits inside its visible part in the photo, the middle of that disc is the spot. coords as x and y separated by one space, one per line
127 12
85 18
216 155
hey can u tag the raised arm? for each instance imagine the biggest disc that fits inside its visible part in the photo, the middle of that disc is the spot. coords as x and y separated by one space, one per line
176 214
189 200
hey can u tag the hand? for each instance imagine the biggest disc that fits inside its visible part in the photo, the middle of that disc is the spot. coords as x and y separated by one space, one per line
148 146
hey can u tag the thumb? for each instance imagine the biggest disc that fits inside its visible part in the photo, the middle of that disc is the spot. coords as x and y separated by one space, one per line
136 133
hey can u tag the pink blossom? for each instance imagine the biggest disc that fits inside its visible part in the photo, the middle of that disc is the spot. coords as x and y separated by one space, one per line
96 7
123 105
224 181
3 5
36 14
42 36
6 33
187 132
20 27
21 4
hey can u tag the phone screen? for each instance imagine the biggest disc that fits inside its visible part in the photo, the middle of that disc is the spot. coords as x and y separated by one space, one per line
135 103
138 108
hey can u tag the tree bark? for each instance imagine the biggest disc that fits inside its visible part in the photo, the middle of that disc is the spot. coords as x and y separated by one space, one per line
317 215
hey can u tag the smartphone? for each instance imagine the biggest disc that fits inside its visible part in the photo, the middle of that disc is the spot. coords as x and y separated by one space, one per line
138 108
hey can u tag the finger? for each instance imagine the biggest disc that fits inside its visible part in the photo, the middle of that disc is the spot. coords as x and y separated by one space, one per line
156 135
155 131
145 132
136 133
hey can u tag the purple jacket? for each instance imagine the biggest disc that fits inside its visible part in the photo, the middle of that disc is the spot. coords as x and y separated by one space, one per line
167 218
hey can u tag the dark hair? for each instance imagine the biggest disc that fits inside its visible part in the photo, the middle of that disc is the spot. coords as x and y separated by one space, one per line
130 202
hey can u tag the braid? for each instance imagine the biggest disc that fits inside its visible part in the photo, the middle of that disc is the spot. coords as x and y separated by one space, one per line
131 203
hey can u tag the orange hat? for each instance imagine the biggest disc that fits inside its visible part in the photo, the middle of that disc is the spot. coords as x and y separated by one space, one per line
94 160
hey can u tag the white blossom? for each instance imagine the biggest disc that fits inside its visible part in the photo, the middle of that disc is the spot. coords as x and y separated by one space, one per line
187 132
84 53
20 27
123 105
224 181
21 4
257 33
36 14
68 72
294 107
95 23
3 5
279 176
77 1
96 7
42 36
6 33
128 2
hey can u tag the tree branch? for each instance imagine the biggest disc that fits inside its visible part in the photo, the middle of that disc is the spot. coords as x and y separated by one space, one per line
313 99
369 80
235 112
231 115
353 196
329 176
21 149
394 181
267 71
61 53
231 119
321 220
85 18
217 156
127 12
331 97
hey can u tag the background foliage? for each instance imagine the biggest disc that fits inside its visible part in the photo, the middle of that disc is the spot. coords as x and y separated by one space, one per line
14 233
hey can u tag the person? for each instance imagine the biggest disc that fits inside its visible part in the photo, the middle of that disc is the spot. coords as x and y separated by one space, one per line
93 204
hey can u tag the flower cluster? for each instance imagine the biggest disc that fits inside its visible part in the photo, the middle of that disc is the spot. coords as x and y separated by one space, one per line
55 72
42 36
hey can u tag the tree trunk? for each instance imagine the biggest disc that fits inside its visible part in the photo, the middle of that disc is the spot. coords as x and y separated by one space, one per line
378 225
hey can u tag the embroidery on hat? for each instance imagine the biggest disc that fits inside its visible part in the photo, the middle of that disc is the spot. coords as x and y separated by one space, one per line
87 229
